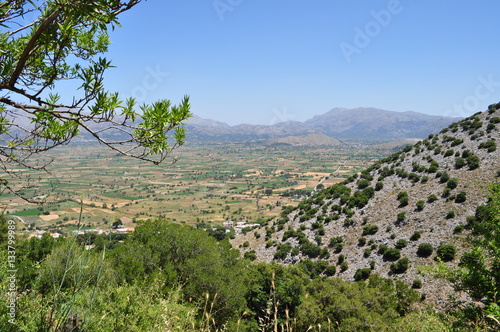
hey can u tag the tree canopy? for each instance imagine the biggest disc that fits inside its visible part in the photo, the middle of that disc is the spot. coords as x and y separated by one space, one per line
64 42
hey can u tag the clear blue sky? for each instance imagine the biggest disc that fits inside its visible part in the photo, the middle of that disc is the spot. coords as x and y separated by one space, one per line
262 61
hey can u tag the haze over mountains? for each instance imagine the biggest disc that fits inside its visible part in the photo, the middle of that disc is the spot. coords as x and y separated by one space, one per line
341 123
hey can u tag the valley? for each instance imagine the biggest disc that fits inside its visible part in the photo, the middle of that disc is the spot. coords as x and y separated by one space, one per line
209 184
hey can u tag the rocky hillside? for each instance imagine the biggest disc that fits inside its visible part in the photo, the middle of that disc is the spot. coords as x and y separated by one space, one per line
396 217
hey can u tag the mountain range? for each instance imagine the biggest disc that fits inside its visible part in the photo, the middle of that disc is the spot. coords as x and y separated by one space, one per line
342 123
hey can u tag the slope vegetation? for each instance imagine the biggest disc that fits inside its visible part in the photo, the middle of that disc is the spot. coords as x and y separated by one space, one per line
398 218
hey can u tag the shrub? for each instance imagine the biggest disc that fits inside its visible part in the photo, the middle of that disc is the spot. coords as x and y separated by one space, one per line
392 254
400 244
431 198
424 250
452 183
362 274
401 266
461 197
403 198
379 186
367 253
491 145
444 177
251 255
449 153
420 205
363 183
344 266
417 284
415 236
401 216
370 230
330 270
458 229
361 241
450 214
446 252
459 162
382 249
473 162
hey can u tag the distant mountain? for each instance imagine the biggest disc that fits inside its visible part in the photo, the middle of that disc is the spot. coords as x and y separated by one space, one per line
377 123
343 123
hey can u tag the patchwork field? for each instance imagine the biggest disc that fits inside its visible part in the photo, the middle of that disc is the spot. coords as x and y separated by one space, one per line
210 183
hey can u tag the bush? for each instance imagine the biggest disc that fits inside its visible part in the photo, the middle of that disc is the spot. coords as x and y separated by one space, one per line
420 205
473 162
450 214
344 266
452 183
370 230
362 274
330 270
417 284
400 244
461 197
392 254
424 250
459 162
446 252
415 236
431 198
401 216
251 255
401 266
403 198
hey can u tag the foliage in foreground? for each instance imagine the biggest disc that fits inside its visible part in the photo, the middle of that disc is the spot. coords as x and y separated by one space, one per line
171 277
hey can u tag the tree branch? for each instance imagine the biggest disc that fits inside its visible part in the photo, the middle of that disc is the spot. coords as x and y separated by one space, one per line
31 45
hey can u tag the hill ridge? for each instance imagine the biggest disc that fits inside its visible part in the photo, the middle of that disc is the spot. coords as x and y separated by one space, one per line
425 193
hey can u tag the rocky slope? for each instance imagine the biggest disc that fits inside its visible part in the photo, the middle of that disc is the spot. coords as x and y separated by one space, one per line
375 222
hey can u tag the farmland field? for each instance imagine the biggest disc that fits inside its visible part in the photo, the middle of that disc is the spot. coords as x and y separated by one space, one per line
210 183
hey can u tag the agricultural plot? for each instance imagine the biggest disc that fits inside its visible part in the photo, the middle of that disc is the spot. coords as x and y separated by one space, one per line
210 183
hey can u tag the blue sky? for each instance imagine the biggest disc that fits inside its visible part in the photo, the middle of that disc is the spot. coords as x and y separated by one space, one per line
264 61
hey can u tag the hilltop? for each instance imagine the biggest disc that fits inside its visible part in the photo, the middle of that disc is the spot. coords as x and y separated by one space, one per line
392 218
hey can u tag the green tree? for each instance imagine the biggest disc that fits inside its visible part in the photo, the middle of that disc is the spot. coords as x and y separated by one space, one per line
480 268
361 306
64 43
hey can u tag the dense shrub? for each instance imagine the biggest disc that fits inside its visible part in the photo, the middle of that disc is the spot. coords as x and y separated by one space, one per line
392 254
401 216
452 183
420 205
424 250
431 198
415 236
446 252
362 274
400 244
401 266
370 230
